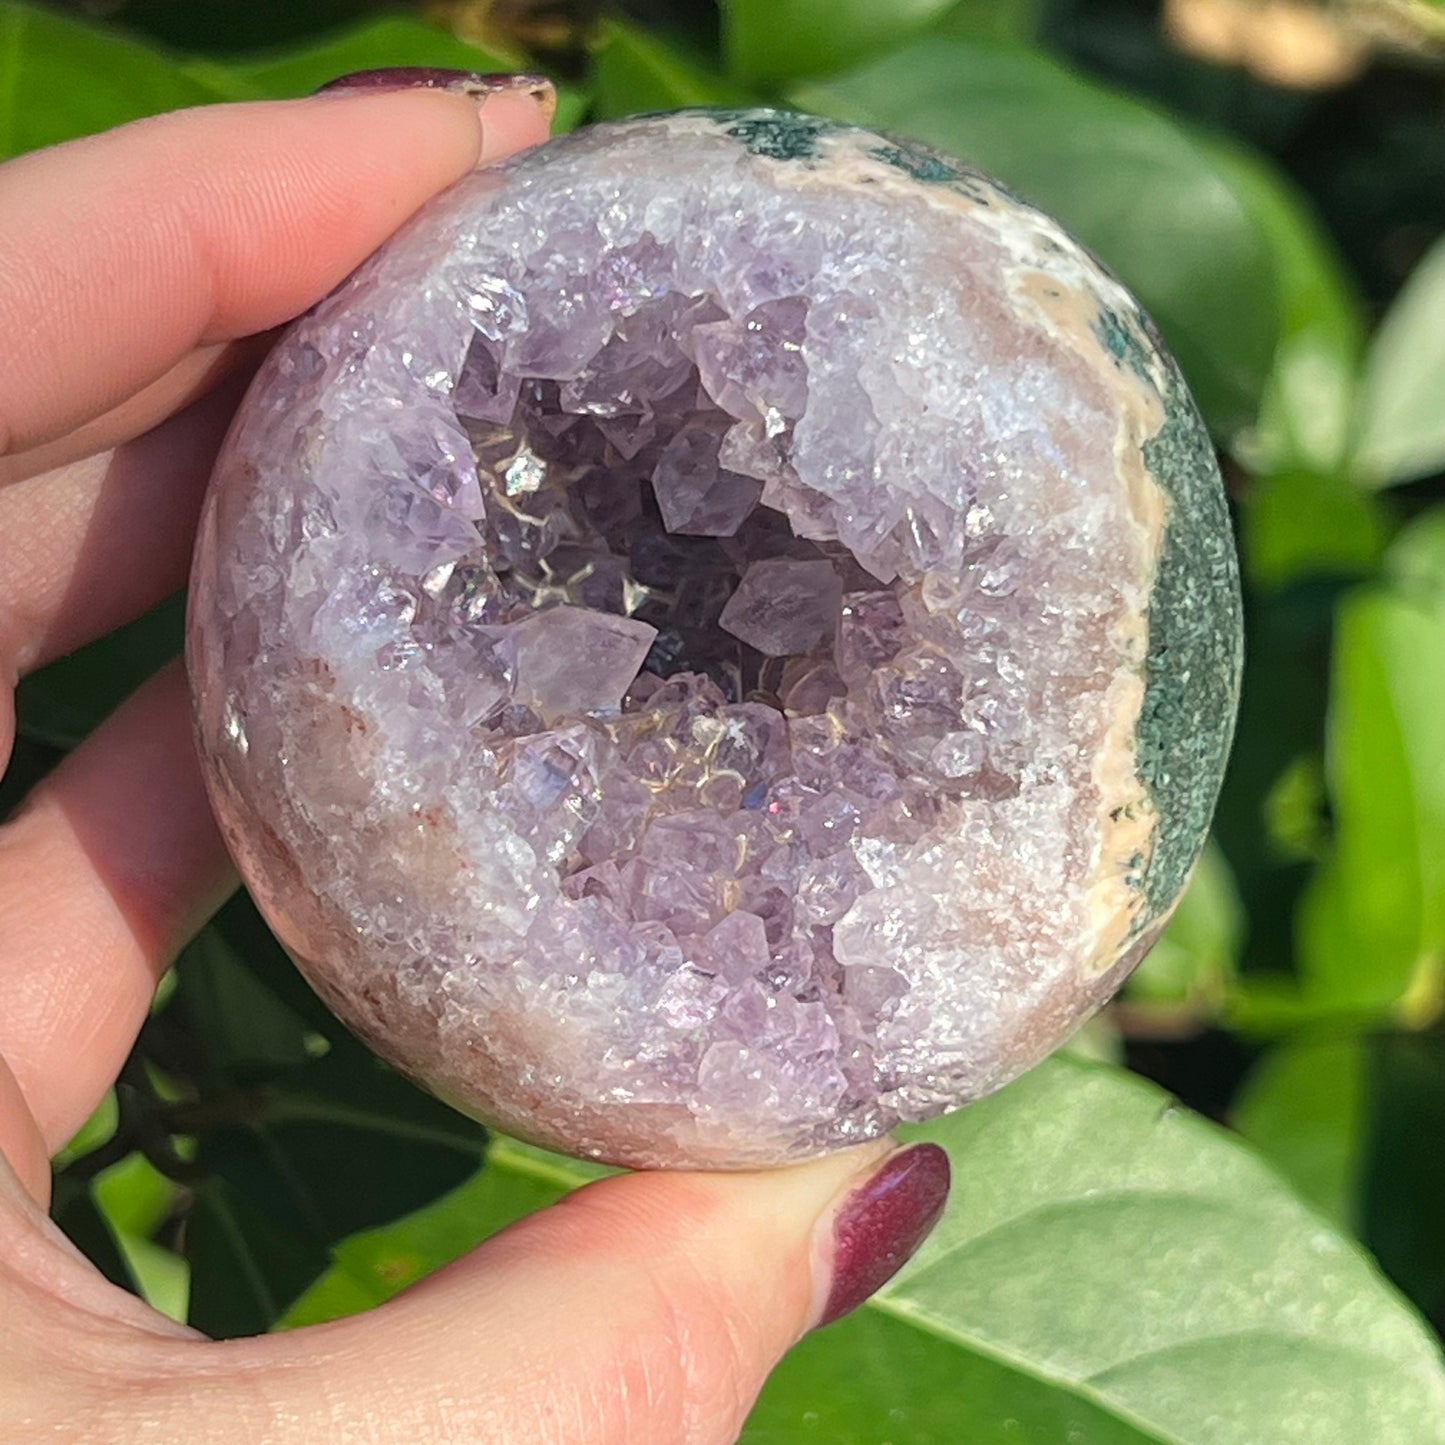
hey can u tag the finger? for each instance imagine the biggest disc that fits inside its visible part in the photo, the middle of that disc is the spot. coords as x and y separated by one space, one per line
20 1143
189 379
647 1309
92 544
111 864
122 252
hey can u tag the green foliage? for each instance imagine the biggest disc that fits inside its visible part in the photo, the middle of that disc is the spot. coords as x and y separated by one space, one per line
779 40
1401 416
1386 770
1303 1108
1304 417
1296 525
60 78
1229 1304
634 71
1111 1268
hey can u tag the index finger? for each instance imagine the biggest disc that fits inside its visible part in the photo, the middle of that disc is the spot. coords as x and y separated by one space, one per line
123 252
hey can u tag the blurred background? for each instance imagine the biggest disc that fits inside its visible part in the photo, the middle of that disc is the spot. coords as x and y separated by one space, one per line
1269 177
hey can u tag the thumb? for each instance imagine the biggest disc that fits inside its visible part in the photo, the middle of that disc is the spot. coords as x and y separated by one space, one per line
645 1309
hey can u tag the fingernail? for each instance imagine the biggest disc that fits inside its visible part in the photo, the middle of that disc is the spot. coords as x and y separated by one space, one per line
882 1222
463 82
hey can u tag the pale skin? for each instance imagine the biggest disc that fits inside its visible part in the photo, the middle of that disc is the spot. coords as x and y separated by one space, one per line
137 269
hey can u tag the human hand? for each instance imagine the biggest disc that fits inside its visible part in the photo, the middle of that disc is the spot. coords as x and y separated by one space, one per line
137 269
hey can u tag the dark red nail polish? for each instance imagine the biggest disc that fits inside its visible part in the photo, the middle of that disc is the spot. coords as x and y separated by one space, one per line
422 77
882 1222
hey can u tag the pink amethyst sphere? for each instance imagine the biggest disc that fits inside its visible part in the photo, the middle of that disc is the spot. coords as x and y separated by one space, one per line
722 637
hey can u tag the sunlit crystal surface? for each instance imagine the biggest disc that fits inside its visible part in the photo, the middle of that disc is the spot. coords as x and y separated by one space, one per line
721 638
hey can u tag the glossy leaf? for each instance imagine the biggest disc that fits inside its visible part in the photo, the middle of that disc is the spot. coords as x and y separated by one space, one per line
1301 524
1402 404
1141 189
1114 1271
373 1265
344 1144
773 40
1305 412
1303 1108
636 71
246 1266
60 78
1377 931
135 1199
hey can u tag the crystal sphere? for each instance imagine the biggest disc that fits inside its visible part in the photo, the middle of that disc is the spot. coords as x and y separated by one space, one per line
723 636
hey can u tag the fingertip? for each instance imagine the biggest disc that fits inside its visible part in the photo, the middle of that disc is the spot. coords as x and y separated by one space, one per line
125 250
441 125
514 120
879 1225
498 120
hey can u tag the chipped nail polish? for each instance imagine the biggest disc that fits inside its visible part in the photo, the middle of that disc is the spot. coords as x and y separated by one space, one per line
463 82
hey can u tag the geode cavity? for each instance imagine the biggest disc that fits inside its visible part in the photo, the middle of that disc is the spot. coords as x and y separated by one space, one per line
720 638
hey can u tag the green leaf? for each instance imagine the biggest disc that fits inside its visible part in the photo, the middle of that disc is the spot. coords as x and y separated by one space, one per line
1303 1107
342 1145
1415 563
1298 524
772 40
634 71
246 1266
240 924
74 1209
998 22
1112 1270
1402 417
135 1199
64 702
1305 412
1191 966
1144 191
61 78
1404 1197
1377 931
1294 811
97 1130
247 1032
373 1265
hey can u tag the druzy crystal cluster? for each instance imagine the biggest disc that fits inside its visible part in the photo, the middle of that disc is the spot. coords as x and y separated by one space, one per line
720 638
